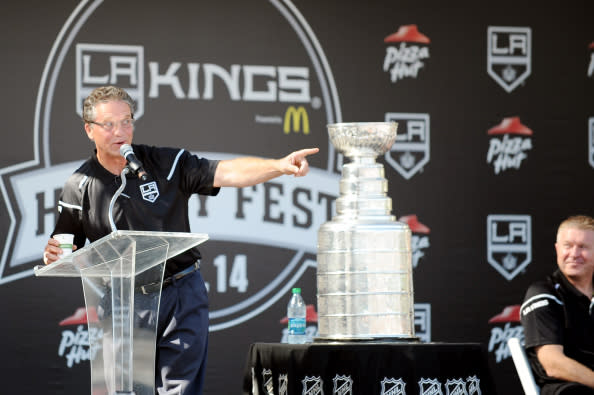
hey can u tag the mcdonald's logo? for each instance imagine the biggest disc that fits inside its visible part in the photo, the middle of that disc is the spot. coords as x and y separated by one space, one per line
296 114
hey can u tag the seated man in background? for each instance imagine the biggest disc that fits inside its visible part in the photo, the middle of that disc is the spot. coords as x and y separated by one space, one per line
557 314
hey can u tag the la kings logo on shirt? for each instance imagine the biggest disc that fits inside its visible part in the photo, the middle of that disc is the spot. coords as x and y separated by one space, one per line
149 191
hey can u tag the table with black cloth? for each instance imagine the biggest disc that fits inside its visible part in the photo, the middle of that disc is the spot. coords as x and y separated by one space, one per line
382 368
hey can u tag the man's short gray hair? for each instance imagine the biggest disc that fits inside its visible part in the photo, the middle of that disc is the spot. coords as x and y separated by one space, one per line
105 94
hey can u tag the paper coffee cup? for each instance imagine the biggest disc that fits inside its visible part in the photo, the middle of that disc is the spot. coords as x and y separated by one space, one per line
66 240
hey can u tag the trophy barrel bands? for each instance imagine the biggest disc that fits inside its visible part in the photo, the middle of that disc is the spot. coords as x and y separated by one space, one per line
364 281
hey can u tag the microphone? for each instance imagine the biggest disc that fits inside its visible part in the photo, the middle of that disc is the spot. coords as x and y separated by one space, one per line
127 152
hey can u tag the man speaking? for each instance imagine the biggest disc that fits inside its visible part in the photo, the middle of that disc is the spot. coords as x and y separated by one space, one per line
182 331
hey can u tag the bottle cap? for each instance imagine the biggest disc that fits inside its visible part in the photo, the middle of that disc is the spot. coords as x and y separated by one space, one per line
296 290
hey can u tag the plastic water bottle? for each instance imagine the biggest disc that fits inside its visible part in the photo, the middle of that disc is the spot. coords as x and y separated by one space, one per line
296 315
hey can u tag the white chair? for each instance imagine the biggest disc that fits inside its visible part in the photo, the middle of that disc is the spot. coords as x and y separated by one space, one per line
523 366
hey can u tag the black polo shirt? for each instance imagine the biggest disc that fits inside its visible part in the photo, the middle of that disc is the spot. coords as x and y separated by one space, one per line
159 204
555 312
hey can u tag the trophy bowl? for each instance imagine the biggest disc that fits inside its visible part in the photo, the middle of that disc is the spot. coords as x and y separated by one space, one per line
357 139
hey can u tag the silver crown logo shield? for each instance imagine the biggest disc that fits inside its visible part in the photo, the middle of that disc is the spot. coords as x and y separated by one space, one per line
474 385
410 151
430 387
267 384
343 385
392 386
509 243
509 51
283 384
312 386
456 387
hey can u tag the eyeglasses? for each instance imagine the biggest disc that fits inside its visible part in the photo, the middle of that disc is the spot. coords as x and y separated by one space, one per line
110 126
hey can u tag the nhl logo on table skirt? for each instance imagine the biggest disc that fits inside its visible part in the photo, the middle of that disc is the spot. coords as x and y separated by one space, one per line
343 385
313 385
391 386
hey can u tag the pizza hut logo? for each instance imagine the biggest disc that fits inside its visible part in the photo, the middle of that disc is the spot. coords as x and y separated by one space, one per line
84 343
420 237
406 54
509 144
506 325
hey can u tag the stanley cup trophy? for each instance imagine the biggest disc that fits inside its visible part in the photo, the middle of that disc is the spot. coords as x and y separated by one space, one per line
364 275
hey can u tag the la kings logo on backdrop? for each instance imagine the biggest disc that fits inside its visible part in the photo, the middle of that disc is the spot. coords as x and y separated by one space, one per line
406 54
509 55
220 98
422 320
509 243
410 152
126 67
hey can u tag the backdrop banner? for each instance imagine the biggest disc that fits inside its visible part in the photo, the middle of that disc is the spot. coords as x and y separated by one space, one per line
495 147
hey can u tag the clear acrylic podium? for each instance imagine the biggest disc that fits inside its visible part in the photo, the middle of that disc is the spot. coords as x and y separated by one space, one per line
113 270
